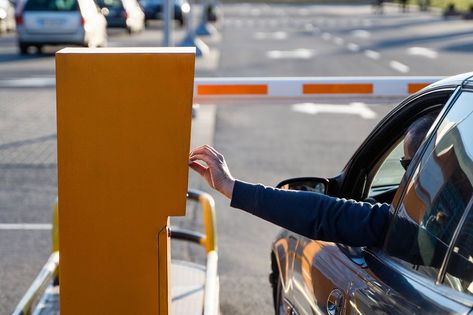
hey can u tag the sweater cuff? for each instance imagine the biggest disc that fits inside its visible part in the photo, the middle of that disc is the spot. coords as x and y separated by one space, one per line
244 196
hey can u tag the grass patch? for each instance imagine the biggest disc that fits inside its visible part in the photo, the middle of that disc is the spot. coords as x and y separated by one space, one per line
461 5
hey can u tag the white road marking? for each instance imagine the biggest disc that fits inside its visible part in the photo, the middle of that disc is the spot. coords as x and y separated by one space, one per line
309 27
255 12
338 41
361 34
275 35
29 82
355 108
353 47
326 36
25 226
372 54
396 65
303 12
300 53
422 51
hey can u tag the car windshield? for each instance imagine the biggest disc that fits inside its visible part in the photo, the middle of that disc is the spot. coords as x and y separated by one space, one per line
145 2
51 5
110 3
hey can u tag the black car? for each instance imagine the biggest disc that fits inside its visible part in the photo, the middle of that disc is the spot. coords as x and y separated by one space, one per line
154 10
425 265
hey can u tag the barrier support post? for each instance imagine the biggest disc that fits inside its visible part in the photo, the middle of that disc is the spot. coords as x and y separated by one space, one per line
123 121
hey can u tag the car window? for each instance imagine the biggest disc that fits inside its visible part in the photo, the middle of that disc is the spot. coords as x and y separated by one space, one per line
459 271
110 3
390 173
437 194
51 5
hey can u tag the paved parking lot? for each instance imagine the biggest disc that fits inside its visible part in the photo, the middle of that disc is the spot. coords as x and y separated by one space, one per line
263 141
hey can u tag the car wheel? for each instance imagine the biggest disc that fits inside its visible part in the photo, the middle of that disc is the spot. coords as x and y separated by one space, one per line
129 30
23 48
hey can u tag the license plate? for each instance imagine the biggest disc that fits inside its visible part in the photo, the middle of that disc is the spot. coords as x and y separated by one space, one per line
51 23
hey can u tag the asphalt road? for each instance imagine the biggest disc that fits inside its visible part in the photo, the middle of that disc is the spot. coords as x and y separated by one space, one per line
262 141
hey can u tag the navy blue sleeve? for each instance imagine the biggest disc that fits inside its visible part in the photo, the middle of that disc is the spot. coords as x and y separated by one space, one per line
315 216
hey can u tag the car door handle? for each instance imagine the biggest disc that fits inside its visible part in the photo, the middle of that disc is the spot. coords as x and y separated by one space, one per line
335 302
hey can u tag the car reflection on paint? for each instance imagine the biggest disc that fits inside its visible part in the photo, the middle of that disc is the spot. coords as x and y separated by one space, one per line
426 263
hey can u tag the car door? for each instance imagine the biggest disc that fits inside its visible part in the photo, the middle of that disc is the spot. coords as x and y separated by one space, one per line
426 263
325 275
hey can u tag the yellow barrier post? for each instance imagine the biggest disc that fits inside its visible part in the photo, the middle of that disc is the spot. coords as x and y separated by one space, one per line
123 118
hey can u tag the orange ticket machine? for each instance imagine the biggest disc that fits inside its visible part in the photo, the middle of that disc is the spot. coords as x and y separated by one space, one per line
123 122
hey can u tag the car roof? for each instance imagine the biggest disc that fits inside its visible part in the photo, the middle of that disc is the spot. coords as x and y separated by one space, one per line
456 80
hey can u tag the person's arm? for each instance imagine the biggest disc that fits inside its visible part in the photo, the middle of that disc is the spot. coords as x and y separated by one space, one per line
310 214
314 215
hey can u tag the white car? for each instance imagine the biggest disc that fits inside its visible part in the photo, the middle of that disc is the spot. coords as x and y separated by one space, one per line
56 22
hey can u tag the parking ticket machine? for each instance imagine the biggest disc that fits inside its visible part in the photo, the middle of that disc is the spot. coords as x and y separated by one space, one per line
123 121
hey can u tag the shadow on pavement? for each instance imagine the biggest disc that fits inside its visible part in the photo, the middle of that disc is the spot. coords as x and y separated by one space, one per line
460 48
403 41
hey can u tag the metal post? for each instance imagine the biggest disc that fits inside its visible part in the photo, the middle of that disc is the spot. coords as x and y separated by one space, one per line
190 40
204 28
168 14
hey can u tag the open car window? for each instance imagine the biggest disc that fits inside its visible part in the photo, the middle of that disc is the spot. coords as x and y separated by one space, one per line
388 176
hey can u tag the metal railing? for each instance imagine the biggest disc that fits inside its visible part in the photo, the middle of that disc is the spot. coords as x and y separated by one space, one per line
209 242
39 285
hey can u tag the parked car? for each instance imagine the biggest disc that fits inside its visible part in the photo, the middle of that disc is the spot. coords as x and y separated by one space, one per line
154 10
54 22
426 263
123 14
7 16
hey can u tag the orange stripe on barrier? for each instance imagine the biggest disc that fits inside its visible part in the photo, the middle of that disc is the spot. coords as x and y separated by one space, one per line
235 89
352 88
414 87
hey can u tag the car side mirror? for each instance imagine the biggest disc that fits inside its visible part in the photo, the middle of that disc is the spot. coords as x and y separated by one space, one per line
313 184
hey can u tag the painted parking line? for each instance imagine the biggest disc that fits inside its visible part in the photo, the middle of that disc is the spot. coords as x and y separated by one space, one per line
372 54
326 36
360 34
270 36
25 226
398 66
300 53
422 51
353 47
338 41
356 108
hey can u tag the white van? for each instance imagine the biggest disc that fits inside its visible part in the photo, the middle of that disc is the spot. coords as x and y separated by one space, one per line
54 22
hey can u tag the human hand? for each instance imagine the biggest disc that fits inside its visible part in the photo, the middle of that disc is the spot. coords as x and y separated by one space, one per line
215 172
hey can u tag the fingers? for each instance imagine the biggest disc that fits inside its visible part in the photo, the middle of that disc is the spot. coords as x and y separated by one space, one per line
199 168
209 160
207 150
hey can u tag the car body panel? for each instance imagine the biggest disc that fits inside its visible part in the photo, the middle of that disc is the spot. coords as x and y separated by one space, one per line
82 25
366 279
